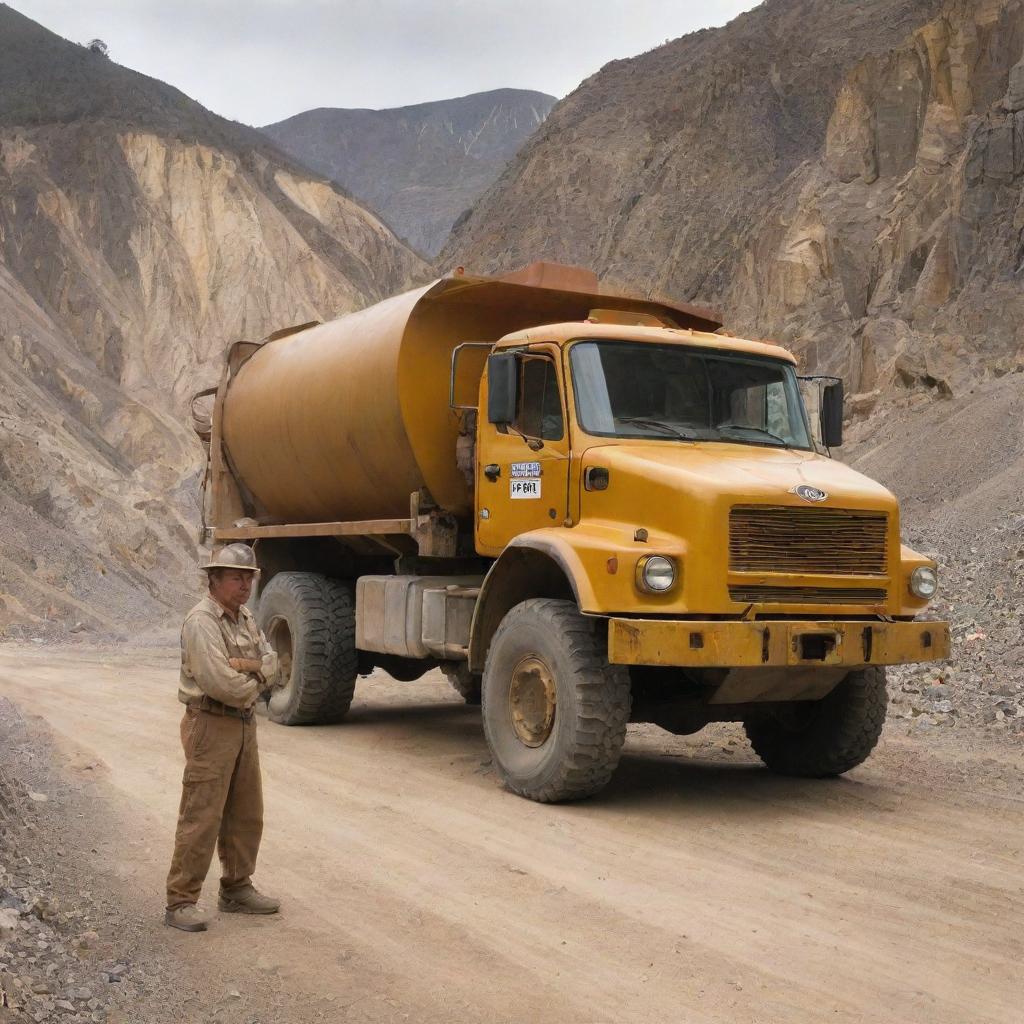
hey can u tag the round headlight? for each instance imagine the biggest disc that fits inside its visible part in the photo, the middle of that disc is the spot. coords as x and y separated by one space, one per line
924 582
656 573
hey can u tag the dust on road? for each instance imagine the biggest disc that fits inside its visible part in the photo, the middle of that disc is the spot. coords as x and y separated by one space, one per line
697 888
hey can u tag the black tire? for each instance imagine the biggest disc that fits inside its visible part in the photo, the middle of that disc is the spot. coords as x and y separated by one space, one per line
315 617
574 755
829 736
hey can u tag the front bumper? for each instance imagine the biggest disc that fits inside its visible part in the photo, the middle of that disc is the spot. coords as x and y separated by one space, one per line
735 644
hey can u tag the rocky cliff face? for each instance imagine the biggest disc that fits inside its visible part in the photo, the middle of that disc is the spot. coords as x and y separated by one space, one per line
893 257
652 170
422 166
844 176
139 236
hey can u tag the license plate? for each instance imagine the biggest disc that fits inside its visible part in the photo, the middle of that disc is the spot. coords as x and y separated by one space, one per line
524 488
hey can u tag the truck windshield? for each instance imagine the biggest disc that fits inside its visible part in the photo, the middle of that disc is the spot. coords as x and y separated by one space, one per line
634 389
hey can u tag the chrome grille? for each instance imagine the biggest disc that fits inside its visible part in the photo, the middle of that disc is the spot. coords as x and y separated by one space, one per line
827 541
807 595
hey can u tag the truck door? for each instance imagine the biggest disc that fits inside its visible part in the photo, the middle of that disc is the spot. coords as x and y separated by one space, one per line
522 472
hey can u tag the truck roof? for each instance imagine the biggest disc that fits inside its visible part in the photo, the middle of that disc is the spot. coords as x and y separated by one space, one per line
562 333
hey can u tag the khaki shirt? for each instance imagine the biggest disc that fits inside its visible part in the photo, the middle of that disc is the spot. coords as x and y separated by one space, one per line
208 638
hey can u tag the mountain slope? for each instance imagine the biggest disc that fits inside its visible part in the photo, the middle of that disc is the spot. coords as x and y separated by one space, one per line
420 167
893 256
139 235
653 167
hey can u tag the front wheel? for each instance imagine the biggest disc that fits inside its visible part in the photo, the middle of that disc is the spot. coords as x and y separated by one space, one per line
825 737
554 710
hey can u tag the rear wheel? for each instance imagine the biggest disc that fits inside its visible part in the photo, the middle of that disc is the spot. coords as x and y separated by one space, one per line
310 621
824 737
554 710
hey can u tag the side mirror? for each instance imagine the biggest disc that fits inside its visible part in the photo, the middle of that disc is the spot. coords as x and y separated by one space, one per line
502 384
832 415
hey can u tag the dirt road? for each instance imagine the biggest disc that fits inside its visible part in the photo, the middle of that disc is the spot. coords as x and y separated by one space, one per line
699 888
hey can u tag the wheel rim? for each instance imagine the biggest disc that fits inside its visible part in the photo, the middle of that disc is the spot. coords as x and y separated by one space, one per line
280 638
531 701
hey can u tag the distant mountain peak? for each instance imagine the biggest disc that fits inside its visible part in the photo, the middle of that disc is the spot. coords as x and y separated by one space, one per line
419 166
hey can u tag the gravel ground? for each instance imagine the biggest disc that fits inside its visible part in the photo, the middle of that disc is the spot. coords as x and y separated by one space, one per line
79 941
982 684
59 960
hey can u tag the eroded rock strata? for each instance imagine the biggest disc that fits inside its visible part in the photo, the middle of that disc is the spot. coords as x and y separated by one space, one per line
139 235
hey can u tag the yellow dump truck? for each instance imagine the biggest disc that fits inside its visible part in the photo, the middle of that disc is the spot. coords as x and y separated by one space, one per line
586 509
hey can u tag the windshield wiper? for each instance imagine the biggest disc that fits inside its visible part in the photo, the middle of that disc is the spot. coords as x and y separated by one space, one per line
723 427
643 422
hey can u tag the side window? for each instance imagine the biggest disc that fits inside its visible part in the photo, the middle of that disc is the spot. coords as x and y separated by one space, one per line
540 405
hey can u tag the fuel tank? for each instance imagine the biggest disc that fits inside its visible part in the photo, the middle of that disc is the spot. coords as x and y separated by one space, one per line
344 420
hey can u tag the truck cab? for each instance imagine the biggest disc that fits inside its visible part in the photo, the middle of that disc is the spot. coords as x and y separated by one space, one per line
703 446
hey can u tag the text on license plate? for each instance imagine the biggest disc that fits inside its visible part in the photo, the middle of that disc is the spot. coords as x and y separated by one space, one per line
524 488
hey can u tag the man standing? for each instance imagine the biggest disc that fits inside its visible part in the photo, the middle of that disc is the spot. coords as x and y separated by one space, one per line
226 663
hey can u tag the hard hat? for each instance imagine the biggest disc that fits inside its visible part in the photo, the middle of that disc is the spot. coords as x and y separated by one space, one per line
233 556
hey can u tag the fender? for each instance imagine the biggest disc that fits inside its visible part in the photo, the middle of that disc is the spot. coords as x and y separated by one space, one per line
541 563
592 564
557 544
550 562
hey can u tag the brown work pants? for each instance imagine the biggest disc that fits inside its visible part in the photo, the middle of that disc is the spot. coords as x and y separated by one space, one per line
221 804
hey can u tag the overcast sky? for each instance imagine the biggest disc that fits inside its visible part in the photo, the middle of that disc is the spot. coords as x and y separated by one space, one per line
260 61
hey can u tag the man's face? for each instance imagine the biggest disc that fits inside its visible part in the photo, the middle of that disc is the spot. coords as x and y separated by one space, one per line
231 588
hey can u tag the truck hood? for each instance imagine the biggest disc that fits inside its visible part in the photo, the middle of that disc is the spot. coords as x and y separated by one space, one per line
760 475
677 499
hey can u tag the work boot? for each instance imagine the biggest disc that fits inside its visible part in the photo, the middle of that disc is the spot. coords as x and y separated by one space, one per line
247 901
188 917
